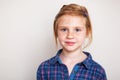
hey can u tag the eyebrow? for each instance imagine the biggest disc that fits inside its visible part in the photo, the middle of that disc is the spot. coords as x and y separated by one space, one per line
73 27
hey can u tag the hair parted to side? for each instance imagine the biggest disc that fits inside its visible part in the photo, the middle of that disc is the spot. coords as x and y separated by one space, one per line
74 10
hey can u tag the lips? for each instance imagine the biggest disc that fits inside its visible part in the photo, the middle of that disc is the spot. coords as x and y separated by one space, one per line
70 43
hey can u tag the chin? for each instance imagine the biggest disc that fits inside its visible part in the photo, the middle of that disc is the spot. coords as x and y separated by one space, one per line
70 49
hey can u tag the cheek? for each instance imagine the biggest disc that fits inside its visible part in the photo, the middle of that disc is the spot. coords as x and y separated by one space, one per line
60 37
60 40
81 37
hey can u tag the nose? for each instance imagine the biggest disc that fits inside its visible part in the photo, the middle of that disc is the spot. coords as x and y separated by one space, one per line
70 35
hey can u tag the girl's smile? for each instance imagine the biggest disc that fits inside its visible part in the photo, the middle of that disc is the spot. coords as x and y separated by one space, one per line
71 32
70 43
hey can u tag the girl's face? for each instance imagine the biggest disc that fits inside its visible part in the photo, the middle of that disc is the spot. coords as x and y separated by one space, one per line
71 32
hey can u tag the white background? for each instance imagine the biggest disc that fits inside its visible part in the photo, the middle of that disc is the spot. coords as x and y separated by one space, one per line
26 35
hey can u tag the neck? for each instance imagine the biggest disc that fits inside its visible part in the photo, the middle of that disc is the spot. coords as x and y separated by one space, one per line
72 57
72 54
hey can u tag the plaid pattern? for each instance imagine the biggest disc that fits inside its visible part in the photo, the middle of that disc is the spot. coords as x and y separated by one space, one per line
53 69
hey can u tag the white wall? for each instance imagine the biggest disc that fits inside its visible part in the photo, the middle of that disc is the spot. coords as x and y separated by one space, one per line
26 35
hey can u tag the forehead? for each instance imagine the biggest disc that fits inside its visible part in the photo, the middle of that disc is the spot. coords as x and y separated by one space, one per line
68 20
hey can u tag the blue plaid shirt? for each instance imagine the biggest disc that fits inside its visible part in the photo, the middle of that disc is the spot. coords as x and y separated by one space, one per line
53 69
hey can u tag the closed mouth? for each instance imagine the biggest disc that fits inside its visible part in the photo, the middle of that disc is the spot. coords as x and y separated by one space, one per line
70 43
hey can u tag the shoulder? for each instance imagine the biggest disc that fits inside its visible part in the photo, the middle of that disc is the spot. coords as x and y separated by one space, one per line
46 63
42 69
98 69
94 67
97 66
92 64
49 62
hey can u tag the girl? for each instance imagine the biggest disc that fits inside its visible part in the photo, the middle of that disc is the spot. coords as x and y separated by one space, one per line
72 27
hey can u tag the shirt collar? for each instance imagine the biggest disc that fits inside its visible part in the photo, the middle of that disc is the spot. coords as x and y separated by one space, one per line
87 62
56 58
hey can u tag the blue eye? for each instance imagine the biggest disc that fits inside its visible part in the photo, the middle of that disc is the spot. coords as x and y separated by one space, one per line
63 30
77 30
